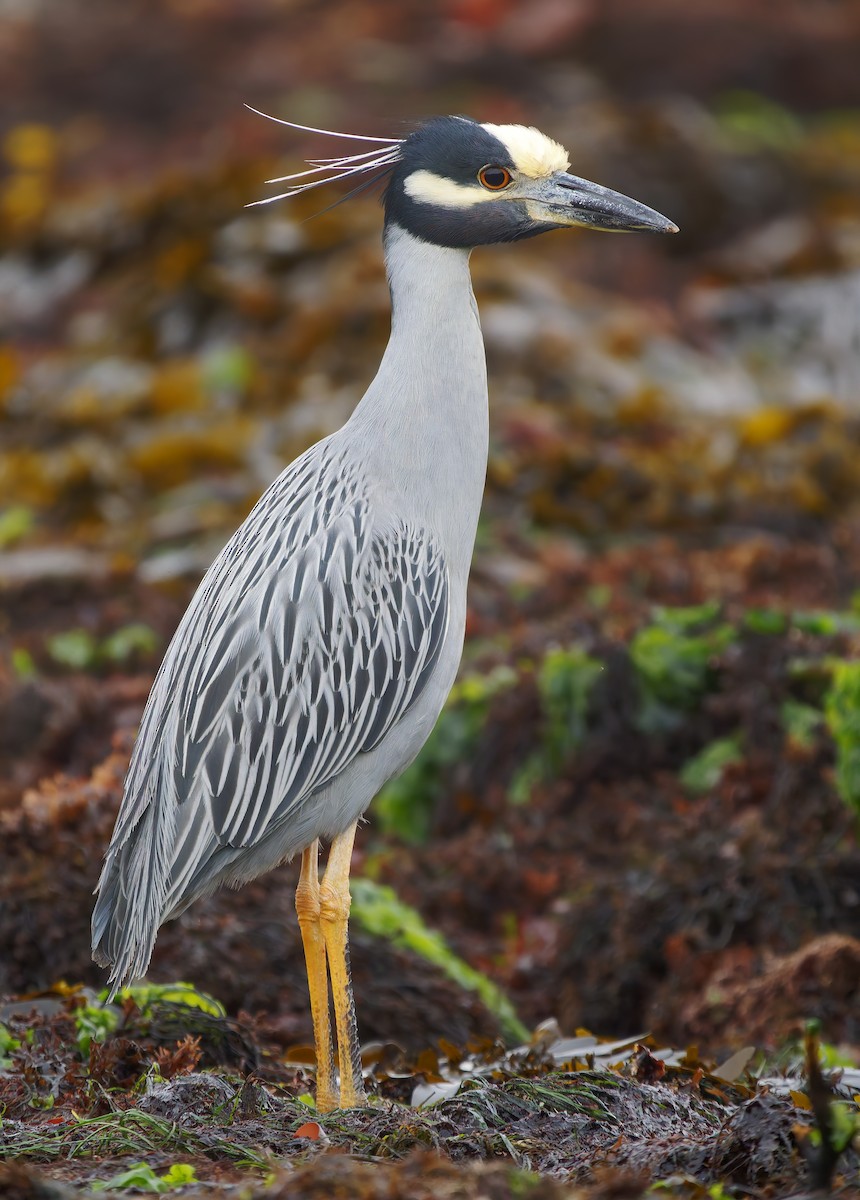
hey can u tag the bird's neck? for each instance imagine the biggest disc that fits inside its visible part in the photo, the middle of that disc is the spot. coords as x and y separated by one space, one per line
424 417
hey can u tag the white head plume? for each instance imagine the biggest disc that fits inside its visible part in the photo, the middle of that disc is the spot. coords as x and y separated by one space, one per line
385 154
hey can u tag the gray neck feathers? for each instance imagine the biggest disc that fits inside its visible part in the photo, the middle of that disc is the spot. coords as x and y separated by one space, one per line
422 426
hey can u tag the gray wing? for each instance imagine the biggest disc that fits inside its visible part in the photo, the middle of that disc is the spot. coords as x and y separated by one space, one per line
309 638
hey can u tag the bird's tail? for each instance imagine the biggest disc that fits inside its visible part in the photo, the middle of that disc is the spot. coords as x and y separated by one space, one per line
130 904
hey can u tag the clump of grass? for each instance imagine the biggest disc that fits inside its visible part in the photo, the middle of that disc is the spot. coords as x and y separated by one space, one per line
129 1132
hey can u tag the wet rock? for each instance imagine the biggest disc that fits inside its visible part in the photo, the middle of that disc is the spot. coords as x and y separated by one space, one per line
758 1141
195 1095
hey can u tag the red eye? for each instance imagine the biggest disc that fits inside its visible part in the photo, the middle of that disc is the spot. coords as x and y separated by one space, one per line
494 179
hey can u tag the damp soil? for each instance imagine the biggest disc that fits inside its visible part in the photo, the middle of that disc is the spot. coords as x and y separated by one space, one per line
638 818
553 1116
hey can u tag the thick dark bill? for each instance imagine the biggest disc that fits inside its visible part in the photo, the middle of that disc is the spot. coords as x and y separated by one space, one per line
569 200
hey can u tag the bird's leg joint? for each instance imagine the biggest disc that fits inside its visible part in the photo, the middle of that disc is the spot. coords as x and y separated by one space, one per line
334 903
308 904
308 889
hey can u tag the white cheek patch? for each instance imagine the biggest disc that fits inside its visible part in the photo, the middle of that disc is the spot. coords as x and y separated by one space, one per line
534 154
427 188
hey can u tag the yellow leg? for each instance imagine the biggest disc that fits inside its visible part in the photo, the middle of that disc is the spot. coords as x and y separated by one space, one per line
308 910
334 912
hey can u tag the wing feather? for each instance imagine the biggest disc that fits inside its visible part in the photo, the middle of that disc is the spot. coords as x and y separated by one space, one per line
309 638
349 658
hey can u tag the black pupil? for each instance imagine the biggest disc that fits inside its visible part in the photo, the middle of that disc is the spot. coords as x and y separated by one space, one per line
494 177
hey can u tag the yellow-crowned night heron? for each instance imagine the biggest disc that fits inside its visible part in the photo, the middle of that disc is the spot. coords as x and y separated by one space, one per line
322 642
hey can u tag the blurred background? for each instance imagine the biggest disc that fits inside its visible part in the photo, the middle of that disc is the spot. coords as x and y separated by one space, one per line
640 807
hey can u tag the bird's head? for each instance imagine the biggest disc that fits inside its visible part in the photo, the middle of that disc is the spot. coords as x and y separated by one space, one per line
458 183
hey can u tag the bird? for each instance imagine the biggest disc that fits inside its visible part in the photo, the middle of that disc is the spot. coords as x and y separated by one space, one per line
318 651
